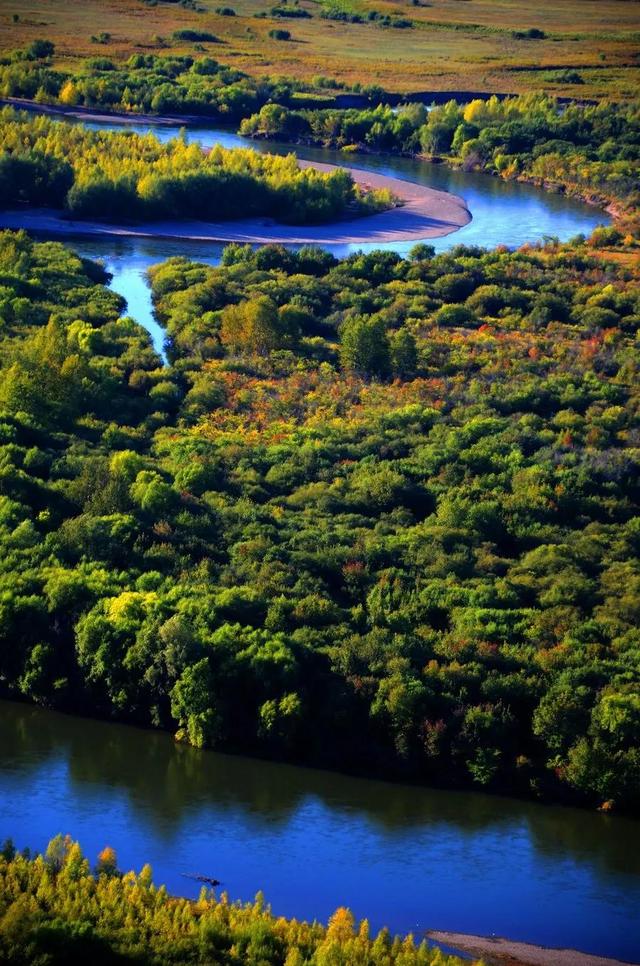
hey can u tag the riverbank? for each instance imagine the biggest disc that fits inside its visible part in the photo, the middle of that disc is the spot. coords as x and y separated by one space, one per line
585 194
505 952
104 116
423 213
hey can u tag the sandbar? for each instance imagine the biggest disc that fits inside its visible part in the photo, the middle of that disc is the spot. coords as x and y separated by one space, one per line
505 952
424 213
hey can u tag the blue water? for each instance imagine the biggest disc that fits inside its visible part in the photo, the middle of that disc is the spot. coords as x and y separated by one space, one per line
411 858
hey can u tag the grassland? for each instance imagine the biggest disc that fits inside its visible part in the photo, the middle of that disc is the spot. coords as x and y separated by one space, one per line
453 44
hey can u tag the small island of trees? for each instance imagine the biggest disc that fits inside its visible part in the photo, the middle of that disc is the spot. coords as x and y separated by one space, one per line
129 177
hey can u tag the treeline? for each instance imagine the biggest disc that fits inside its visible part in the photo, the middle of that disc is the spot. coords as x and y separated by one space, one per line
379 514
152 83
128 177
587 150
55 909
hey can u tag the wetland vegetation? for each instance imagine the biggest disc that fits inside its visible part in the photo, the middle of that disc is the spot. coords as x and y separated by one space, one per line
377 513
410 482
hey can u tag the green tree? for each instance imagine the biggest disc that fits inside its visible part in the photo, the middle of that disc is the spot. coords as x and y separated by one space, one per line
254 327
404 354
364 347
192 705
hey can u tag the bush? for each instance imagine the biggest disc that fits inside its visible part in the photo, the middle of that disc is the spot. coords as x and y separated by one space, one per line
279 34
195 35
565 77
335 13
100 64
40 50
604 237
455 315
292 12
531 34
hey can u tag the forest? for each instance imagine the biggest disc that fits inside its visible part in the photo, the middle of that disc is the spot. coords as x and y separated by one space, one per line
378 514
129 177
588 150
56 909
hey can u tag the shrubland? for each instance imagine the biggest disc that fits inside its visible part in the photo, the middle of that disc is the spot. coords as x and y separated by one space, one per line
378 514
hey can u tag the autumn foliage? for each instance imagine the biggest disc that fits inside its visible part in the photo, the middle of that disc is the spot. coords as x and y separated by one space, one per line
54 910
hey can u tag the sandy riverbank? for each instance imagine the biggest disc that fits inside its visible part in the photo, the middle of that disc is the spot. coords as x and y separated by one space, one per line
504 952
425 213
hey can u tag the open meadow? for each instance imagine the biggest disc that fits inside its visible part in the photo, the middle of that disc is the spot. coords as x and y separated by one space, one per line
577 48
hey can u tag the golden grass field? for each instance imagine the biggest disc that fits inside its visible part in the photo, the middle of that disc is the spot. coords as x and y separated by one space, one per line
456 44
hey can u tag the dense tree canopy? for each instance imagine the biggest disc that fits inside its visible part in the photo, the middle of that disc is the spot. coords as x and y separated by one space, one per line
126 176
376 513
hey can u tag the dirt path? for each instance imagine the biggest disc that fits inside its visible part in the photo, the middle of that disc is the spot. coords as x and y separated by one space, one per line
504 952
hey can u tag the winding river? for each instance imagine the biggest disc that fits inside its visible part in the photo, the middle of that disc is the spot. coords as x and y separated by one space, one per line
411 858
503 213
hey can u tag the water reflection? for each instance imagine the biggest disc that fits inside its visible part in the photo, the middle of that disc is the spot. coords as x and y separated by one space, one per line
411 857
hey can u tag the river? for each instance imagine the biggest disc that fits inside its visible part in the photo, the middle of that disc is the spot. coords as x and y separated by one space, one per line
503 213
409 857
